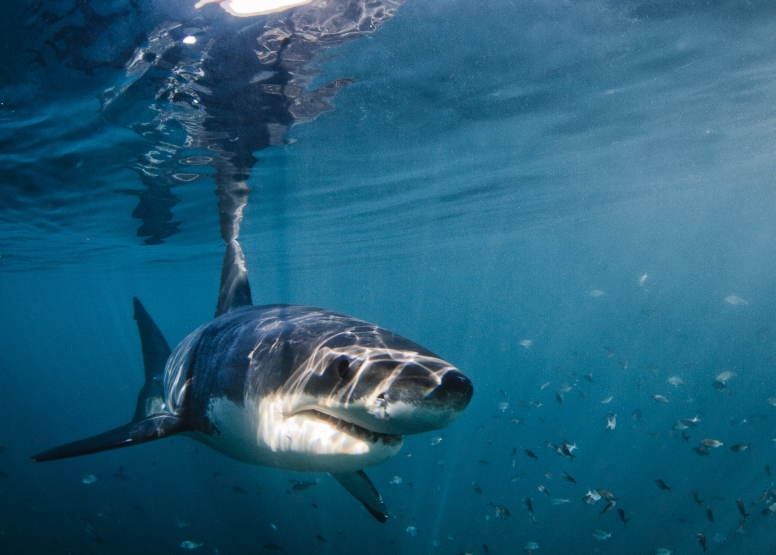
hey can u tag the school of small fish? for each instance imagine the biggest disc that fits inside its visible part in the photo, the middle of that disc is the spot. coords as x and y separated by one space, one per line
691 427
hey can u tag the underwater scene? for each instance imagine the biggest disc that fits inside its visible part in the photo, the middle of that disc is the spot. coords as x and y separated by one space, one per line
388 276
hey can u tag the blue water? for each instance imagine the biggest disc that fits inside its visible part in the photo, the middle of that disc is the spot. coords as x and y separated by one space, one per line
494 174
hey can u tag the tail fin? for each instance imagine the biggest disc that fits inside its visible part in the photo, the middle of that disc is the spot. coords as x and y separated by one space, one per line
150 422
134 433
156 351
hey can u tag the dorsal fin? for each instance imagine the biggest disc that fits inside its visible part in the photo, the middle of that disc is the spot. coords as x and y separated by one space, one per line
156 351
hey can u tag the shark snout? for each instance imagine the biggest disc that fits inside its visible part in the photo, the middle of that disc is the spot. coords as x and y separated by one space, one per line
454 392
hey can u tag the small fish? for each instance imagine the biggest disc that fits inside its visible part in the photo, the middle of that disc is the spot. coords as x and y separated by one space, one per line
525 343
734 300
679 425
530 454
691 422
549 475
637 415
685 437
675 381
624 364
483 462
624 520
543 490
642 280
596 293
436 440
301 486
238 489
593 495
725 376
272 547
738 447
530 546
320 538
762 498
514 478
709 514
609 506
611 422
502 406
711 443
544 386
121 476
660 399
515 420
191 545
485 548
528 504
89 479
560 501
396 480
701 450
181 524
588 377
559 398
535 404
695 497
567 478
588 499
742 508
600 534
412 531
768 470
771 401
476 488
607 400
702 541
501 511
662 551
719 386
662 485
606 494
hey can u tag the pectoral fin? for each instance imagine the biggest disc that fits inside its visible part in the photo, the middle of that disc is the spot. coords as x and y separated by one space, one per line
156 427
361 487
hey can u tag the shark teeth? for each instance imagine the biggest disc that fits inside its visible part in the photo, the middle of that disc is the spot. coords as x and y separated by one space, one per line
354 429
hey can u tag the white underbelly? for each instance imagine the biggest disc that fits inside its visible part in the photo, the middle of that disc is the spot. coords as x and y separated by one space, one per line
298 443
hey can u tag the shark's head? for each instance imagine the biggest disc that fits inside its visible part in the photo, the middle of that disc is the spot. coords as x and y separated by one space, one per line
361 391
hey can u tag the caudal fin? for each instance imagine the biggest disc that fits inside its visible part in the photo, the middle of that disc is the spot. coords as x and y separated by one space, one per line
134 433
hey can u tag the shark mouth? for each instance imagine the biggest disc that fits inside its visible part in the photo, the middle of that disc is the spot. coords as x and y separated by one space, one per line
353 429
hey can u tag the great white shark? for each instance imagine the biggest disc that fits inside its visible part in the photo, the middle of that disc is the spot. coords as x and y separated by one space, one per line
285 386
